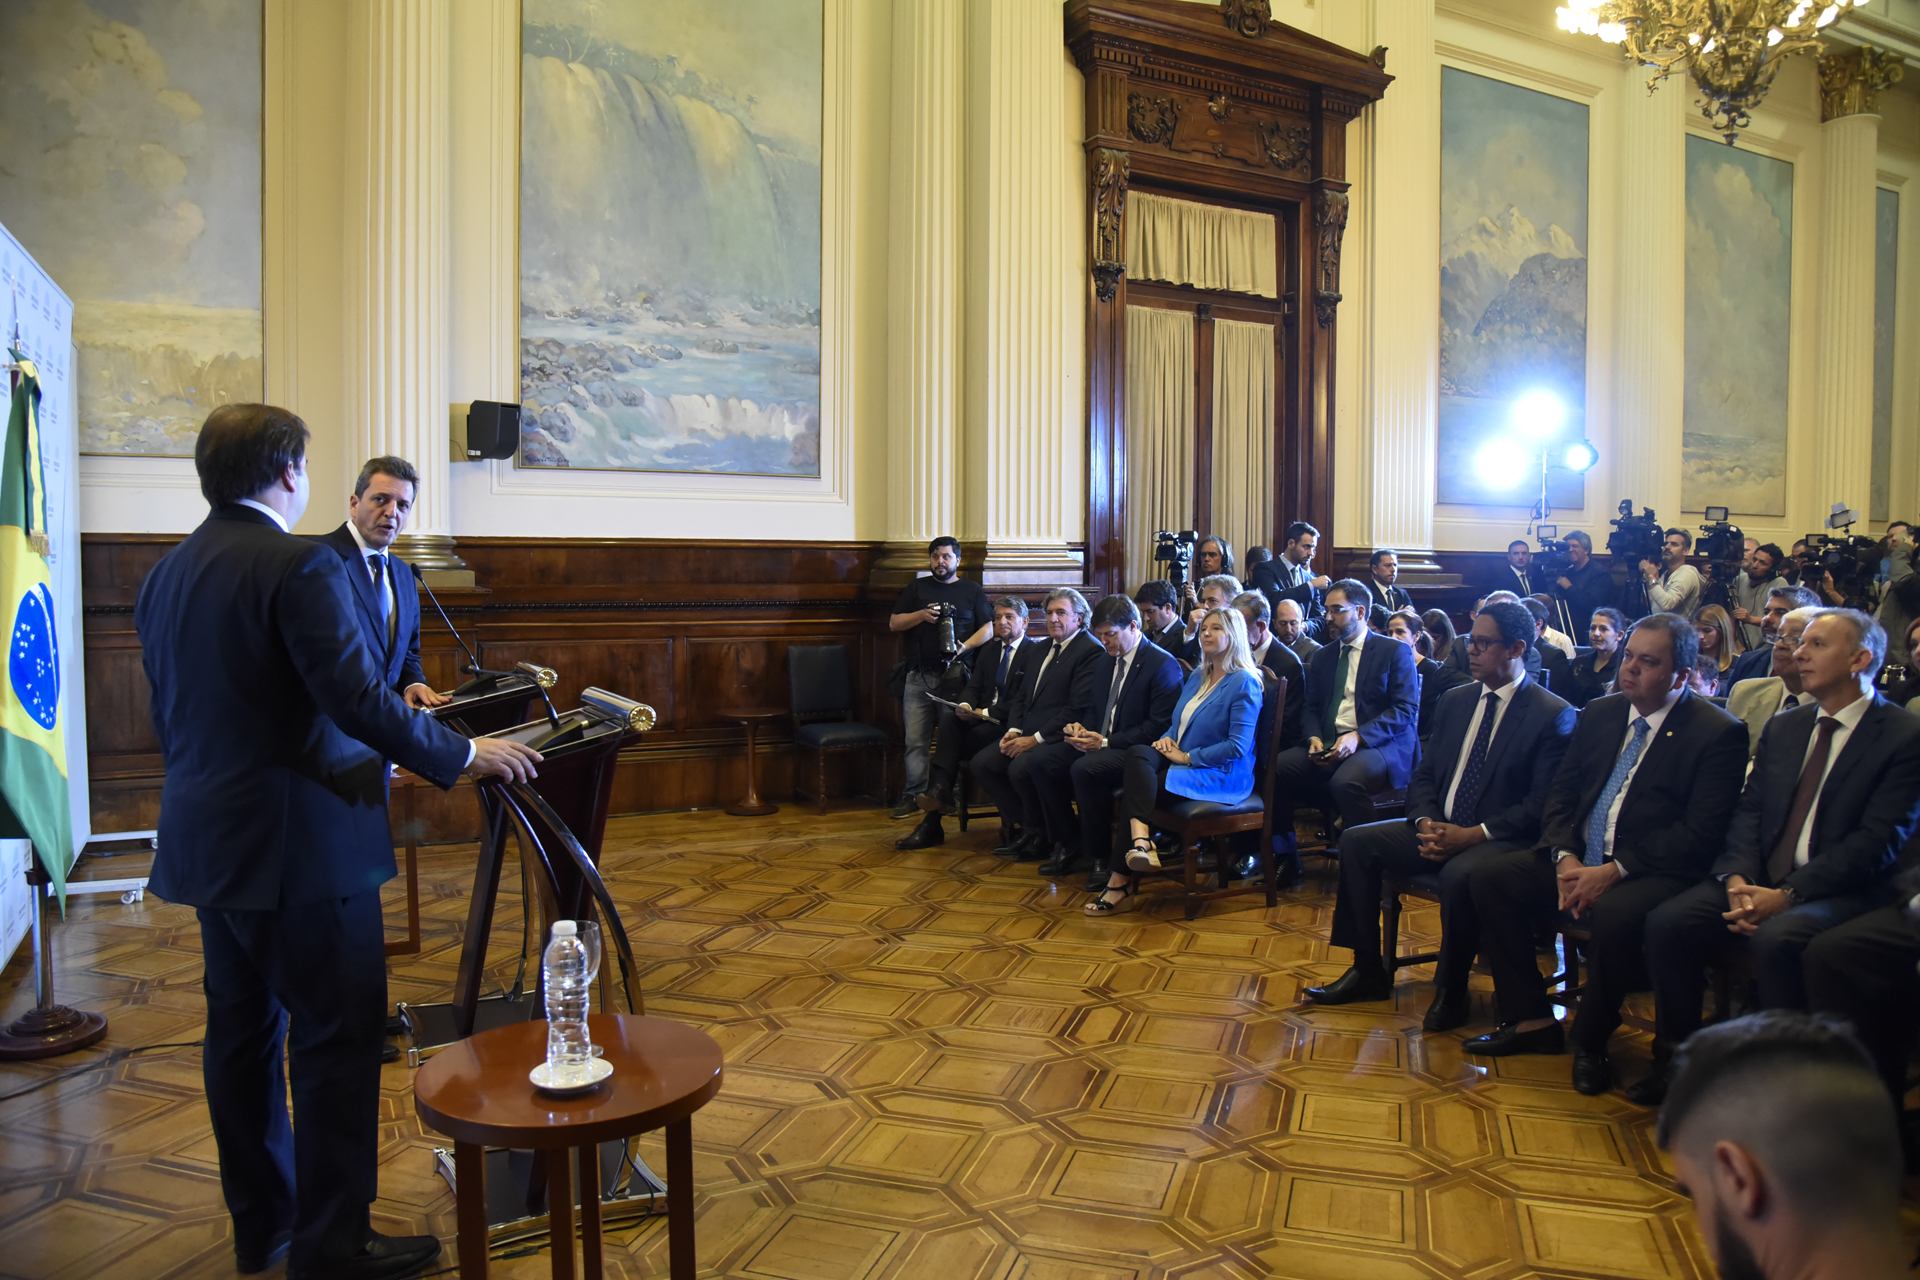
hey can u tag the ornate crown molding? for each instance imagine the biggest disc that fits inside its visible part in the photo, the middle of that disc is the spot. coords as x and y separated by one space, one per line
1152 119
1851 81
1250 18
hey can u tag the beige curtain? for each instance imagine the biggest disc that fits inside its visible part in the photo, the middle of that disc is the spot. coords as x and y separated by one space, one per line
1159 431
1203 245
1243 362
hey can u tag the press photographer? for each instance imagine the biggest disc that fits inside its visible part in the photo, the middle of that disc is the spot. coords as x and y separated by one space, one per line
1900 588
1175 552
1724 549
1673 585
1634 540
1760 576
943 617
1580 586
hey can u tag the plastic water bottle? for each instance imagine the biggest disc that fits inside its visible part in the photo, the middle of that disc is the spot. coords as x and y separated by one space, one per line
569 1048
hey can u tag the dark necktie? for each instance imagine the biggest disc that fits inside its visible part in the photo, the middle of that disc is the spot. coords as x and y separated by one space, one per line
1113 697
1473 779
1780 861
1793 700
1046 666
1006 660
378 562
1336 695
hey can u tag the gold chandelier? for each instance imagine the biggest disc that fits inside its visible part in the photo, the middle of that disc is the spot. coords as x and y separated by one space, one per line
1731 48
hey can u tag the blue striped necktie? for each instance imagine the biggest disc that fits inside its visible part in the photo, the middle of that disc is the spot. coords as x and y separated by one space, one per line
1616 782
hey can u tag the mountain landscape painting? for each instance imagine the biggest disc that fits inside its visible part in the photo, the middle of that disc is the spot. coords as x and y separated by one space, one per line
131 158
1513 273
670 237
1739 275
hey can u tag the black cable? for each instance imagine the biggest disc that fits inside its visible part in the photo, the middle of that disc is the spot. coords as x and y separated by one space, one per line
114 1056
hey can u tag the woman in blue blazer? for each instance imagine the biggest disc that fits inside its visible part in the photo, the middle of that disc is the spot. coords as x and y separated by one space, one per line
1207 755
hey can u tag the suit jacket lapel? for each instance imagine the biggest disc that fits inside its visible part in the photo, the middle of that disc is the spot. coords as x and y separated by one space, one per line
362 579
1509 727
1860 742
1662 745
1613 737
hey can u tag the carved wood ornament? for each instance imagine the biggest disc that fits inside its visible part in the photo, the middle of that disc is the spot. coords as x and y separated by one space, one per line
1220 106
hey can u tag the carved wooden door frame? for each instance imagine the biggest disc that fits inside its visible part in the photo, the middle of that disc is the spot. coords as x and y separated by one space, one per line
1219 106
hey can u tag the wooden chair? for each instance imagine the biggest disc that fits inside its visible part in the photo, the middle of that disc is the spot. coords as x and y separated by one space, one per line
1563 987
822 701
1195 821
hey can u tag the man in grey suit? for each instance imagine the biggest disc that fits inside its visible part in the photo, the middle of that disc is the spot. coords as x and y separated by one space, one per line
1758 700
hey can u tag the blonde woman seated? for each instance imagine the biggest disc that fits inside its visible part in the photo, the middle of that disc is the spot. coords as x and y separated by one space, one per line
1721 641
1208 755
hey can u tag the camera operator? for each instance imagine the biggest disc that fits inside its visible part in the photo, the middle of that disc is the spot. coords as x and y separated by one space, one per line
925 607
1290 575
1900 592
1213 555
1673 585
1749 590
1585 587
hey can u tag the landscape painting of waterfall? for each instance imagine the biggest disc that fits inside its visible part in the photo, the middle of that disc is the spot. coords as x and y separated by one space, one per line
1513 280
1733 443
670 236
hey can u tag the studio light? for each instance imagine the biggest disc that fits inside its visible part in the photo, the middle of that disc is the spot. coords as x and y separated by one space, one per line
1539 415
1579 456
1503 463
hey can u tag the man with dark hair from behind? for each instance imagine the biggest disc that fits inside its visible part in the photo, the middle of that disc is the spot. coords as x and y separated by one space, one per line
1783 1138
383 583
275 727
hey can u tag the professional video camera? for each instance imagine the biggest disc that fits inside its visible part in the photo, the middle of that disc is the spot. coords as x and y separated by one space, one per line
1724 547
1175 550
1854 561
1551 560
1635 538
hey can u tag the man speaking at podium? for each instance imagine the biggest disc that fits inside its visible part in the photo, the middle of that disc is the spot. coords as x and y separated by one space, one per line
275 725
389 605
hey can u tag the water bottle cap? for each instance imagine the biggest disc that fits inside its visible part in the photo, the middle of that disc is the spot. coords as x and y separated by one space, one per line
565 929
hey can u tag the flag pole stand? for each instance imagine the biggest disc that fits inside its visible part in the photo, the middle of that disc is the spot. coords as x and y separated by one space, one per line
49 1029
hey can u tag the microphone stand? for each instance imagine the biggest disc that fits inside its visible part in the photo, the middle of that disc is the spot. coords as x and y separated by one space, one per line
473 667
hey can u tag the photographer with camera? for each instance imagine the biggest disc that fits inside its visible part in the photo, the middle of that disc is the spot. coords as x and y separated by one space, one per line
1582 587
943 616
1900 590
1750 590
1673 585
1290 576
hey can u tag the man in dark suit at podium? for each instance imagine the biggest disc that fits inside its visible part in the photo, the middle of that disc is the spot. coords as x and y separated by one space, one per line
275 726
389 604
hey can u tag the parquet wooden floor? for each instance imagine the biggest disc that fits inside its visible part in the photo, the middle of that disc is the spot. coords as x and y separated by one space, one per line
937 1067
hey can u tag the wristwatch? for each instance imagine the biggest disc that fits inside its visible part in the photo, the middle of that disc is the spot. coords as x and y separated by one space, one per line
1793 895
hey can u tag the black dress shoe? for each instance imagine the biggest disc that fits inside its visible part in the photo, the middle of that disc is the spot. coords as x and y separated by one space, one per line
1097 878
935 800
1012 846
383 1258
1033 848
1652 1090
1448 1010
926 835
1064 863
396 1025
1592 1073
1244 867
1287 871
1353 987
1504 1040
251 1262
389 1052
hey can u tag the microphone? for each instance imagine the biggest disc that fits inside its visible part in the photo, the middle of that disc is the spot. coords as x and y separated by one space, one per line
473 667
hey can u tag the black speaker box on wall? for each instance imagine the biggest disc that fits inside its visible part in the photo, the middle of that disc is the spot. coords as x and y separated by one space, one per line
493 430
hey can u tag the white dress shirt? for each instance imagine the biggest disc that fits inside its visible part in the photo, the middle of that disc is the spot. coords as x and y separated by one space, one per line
1849 717
1347 717
1260 654
271 514
1654 722
384 581
1504 695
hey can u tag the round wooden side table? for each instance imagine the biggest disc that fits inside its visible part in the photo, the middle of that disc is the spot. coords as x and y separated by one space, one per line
751 805
477 1093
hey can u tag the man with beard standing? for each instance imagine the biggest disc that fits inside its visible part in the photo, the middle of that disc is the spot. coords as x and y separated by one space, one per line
918 613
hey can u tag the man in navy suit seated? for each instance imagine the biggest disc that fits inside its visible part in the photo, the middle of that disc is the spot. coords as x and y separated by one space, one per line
389 604
275 724
1362 719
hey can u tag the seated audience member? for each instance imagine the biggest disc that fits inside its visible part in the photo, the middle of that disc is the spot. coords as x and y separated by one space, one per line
1440 634
1517 574
1558 639
1213 555
1435 677
1476 794
1216 592
1385 568
1377 616
1268 652
1058 684
1290 576
1256 555
1758 700
1749 590
1586 586
1721 640
1134 684
1554 667
1458 660
1160 619
1786 1145
1362 720
1780 602
1208 754
1704 679
1591 674
1864 971
1673 585
1633 818
1833 795
1907 686
998 669
1290 625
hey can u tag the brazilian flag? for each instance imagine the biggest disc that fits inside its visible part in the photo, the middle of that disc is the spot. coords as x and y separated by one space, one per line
33 743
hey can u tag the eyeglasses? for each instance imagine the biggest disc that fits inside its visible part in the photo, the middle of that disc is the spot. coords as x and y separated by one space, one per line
1476 643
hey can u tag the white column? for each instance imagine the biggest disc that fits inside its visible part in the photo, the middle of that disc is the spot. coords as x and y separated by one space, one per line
398 235
1025 311
924 301
1843 464
1399 339
1642 456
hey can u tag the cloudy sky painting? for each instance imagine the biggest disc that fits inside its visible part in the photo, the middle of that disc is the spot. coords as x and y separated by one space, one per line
1513 272
1739 277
